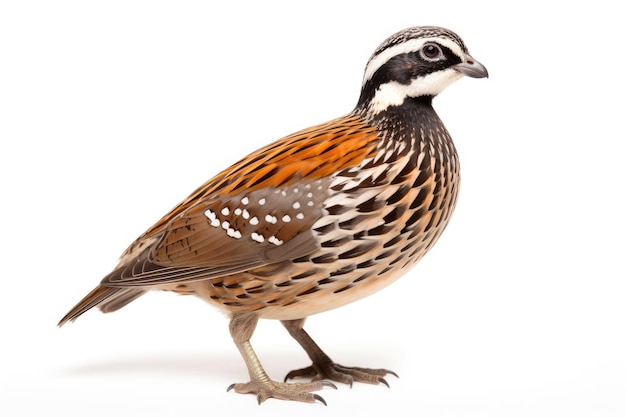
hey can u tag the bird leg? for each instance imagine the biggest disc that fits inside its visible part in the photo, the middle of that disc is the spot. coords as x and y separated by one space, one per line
241 328
324 368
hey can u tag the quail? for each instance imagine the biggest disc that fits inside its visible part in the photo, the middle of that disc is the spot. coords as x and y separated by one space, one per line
316 220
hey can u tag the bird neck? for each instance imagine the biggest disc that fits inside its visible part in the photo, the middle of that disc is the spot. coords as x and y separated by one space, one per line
410 129
407 121
412 110
408 106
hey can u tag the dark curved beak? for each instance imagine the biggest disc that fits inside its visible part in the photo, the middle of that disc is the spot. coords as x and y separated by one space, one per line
472 68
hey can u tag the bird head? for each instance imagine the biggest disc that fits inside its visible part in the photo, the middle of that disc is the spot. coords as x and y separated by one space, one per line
419 61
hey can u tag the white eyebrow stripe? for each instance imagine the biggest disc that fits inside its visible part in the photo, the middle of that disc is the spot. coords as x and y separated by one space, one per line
412 45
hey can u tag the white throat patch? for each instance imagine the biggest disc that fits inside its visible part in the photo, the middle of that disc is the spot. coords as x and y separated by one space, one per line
393 93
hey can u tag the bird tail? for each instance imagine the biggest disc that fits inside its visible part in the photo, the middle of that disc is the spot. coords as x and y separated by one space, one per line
107 298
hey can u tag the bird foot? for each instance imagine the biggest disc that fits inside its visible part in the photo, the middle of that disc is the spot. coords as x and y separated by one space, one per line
283 390
344 374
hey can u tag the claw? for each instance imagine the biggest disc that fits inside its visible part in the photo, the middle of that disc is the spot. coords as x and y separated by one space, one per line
320 399
230 387
392 373
329 384
322 372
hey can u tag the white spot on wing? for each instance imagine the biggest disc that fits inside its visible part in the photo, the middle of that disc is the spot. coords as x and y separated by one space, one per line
286 218
225 211
254 221
271 219
275 240
210 214
245 201
257 237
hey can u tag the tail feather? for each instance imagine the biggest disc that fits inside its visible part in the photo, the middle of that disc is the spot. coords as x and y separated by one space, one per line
107 298
121 299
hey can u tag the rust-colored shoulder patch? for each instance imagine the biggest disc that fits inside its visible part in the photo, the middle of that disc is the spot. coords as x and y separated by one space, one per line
313 153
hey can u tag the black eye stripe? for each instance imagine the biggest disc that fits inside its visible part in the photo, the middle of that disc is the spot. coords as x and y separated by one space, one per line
405 67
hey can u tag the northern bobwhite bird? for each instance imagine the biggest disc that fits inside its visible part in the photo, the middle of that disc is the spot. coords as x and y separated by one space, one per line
316 220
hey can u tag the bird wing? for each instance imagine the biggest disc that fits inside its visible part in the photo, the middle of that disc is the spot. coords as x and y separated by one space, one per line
257 212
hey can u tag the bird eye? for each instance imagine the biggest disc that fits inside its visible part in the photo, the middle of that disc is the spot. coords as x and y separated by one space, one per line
431 52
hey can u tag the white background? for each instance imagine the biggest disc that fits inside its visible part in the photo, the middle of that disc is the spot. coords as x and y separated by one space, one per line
112 112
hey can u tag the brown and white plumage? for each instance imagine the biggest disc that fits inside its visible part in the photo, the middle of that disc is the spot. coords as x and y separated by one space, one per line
318 219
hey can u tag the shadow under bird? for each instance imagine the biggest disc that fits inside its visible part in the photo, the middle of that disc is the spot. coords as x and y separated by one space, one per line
315 220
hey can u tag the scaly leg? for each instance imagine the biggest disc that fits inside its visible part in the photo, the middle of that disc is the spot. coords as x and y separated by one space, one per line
241 328
324 368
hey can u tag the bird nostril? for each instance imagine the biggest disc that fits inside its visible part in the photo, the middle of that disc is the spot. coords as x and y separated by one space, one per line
469 61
